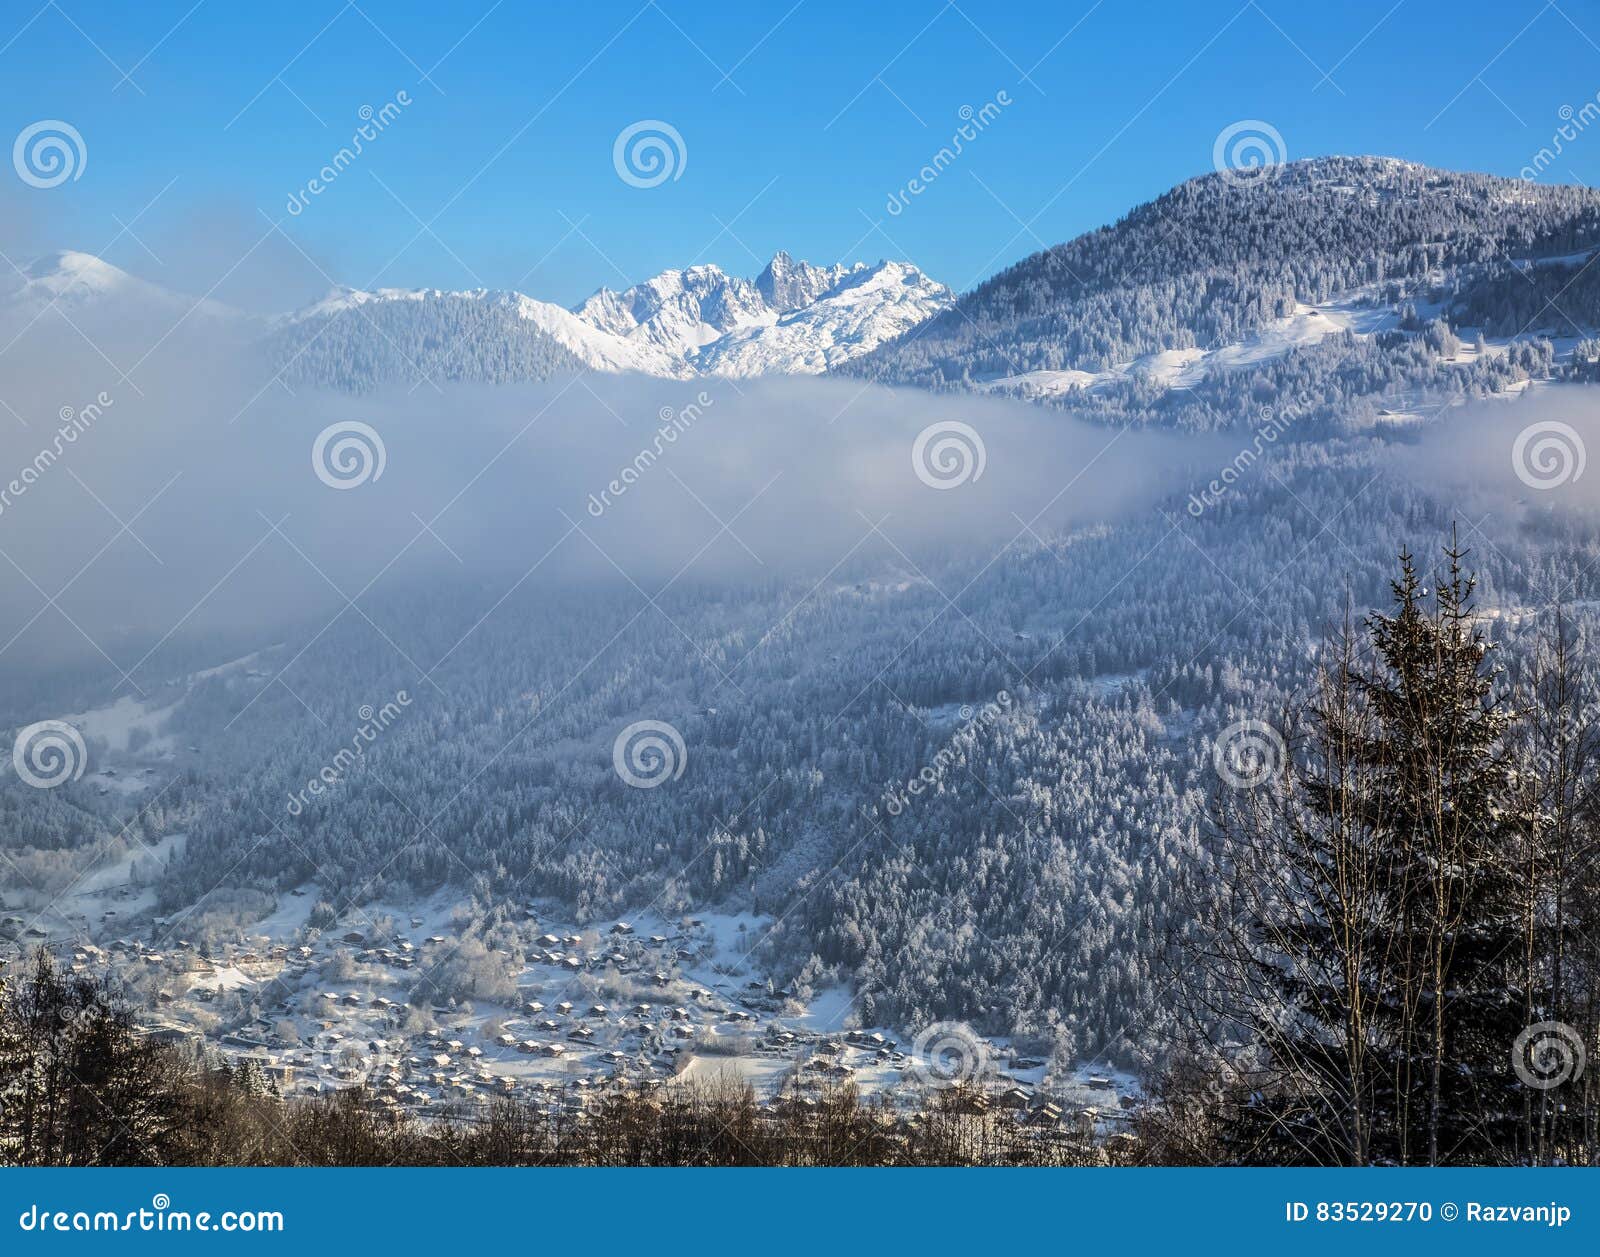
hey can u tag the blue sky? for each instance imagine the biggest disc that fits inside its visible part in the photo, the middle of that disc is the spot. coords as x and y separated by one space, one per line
798 121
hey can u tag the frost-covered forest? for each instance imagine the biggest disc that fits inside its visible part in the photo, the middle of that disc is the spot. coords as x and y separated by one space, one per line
449 338
1033 886
1031 889
1215 259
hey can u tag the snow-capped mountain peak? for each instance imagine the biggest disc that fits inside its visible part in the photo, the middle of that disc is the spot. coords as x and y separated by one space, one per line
69 278
72 277
793 318
678 311
69 272
866 306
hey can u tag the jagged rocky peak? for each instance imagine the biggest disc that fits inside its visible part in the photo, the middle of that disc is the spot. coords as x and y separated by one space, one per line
786 284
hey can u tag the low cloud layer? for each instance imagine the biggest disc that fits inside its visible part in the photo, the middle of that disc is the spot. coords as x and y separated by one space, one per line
1529 454
158 484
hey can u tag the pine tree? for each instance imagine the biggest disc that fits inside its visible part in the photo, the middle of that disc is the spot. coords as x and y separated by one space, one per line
1366 938
1444 789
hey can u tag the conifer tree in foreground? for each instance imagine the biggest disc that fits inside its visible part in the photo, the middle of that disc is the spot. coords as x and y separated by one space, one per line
1365 943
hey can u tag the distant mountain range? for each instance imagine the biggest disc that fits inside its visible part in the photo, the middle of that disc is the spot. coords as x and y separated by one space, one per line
792 318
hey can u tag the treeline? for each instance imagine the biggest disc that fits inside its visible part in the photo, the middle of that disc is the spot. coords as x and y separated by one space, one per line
80 1085
1393 955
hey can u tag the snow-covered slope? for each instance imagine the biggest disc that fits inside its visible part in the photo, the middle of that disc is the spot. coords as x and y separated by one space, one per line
867 307
678 313
71 279
594 346
1360 313
77 277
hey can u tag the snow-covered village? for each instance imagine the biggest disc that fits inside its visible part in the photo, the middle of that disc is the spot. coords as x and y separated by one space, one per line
398 1005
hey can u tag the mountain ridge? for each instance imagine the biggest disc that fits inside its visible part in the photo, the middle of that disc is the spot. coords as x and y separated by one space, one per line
792 318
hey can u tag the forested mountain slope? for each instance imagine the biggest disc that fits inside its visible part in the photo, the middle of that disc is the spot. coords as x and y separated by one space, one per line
1221 262
1034 887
